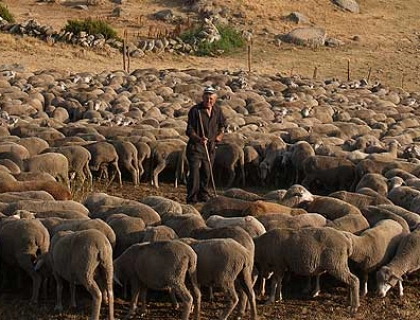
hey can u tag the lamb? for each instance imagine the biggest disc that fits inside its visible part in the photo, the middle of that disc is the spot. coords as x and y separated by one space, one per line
159 266
248 223
405 261
375 247
309 251
22 243
55 189
55 164
386 156
295 157
375 213
128 158
94 271
284 221
296 196
229 157
406 197
222 263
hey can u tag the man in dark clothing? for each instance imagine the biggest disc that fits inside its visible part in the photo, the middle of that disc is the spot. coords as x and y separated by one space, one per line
205 128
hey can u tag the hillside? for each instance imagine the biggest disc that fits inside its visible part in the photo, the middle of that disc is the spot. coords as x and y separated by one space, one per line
384 36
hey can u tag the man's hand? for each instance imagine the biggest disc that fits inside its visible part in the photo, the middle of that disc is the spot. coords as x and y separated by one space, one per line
204 141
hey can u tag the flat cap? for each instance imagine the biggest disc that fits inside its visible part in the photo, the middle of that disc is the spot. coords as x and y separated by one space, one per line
209 89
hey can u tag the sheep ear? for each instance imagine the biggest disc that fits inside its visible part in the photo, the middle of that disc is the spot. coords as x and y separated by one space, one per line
117 281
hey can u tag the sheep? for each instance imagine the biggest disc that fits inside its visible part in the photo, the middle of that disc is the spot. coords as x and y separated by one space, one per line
332 208
328 174
128 158
374 214
166 154
406 197
104 155
55 189
228 157
296 196
405 261
28 176
15 196
22 242
34 145
184 224
224 206
222 263
298 152
308 251
86 224
162 205
353 223
45 205
9 165
248 223
358 200
386 156
412 219
102 205
251 165
55 164
158 266
280 220
375 247
375 181
238 193
78 160
260 207
143 152
82 257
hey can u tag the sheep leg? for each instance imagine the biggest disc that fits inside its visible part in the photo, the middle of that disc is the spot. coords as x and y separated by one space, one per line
174 301
246 288
363 285
232 300
73 295
158 169
400 289
352 281
135 291
186 297
26 262
59 288
143 296
231 177
93 288
141 169
276 286
88 174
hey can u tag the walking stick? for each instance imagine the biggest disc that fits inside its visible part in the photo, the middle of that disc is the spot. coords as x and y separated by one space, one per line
207 154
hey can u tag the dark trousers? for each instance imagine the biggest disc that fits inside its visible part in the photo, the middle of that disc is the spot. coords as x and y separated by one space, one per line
198 179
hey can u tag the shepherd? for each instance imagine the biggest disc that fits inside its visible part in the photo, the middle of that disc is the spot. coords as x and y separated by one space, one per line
205 128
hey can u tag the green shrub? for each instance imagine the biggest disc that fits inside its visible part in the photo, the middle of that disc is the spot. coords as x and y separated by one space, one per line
6 14
231 40
91 27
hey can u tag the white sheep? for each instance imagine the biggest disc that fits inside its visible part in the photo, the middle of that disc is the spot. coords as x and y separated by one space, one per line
249 223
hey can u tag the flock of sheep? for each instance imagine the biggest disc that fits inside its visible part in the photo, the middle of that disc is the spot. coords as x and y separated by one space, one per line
341 158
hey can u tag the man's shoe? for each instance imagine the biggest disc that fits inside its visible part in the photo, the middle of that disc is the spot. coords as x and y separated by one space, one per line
204 198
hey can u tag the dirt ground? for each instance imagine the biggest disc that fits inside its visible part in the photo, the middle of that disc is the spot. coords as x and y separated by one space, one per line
389 44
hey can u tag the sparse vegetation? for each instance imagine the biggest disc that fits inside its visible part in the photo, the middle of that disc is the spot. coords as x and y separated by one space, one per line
230 41
6 14
91 26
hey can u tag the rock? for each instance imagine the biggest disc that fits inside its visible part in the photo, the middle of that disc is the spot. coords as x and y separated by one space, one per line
333 42
307 36
348 5
297 18
81 7
164 15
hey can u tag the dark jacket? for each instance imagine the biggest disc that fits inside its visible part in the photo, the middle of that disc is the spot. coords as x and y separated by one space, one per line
213 126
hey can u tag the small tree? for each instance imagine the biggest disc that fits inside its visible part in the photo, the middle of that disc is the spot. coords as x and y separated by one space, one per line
6 14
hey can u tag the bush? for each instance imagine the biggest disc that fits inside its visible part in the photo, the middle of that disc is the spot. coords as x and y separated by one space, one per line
91 27
6 14
230 41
